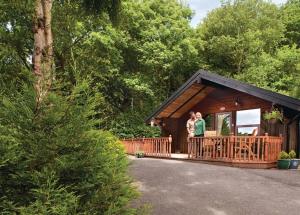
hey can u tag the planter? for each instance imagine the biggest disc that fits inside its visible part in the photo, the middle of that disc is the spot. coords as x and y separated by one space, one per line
283 163
294 163
139 154
273 121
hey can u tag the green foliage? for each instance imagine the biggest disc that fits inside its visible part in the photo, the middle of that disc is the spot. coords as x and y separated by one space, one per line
284 155
161 43
225 128
238 32
138 86
132 124
154 50
15 42
245 40
49 196
99 6
55 162
292 154
274 114
291 19
278 72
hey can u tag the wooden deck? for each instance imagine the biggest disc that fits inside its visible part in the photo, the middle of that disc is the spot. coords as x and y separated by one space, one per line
241 151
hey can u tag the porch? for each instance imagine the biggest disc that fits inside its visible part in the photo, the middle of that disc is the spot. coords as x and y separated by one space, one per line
241 151
229 107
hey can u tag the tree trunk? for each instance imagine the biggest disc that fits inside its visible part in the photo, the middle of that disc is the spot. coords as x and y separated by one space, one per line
43 49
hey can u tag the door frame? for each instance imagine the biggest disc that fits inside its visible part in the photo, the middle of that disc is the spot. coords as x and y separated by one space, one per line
231 119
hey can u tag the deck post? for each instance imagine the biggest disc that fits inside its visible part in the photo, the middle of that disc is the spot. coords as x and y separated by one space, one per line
267 147
143 145
170 145
281 142
189 146
231 142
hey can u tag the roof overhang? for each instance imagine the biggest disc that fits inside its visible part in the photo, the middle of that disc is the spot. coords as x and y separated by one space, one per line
202 83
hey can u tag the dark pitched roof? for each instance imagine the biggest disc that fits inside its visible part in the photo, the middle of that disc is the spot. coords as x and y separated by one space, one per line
267 95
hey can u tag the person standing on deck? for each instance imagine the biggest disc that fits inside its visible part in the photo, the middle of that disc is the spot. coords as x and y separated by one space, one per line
190 125
199 125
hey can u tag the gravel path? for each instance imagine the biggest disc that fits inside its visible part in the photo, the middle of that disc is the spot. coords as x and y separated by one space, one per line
174 187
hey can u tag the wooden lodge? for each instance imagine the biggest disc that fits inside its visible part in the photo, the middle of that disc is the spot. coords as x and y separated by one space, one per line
237 132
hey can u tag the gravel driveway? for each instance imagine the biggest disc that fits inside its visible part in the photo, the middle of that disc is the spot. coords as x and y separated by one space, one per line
174 187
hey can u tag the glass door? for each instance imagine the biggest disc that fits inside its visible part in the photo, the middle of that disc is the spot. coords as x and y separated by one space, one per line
223 123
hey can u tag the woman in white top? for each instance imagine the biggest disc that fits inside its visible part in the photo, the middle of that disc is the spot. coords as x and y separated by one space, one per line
190 125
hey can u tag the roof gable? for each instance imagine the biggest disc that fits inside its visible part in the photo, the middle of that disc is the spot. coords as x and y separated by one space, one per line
202 75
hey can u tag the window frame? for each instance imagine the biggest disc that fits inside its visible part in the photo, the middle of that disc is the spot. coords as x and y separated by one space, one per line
247 125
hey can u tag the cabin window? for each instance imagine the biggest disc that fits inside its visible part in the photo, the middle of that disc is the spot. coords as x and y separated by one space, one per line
223 123
248 122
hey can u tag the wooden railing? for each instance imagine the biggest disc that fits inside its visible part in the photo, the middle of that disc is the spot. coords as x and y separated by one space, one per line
239 149
248 149
154 147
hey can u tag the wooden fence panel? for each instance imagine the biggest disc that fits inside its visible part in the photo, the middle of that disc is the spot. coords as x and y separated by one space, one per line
154 147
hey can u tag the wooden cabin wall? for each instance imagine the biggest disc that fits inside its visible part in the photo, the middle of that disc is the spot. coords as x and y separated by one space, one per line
182 136
298 138
293 136
223 98
171 128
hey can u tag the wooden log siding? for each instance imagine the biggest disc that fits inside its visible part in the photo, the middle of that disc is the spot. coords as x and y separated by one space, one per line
153 147
259 149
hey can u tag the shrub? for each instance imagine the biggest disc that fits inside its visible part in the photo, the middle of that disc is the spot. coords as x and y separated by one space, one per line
131 124
53 161
284 155
292 154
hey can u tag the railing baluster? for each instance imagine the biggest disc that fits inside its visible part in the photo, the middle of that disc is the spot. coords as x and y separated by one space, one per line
201 147
258 149
221 147
197 148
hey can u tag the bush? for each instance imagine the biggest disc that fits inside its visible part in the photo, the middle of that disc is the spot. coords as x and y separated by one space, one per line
53 161
284 155
292 154
131 124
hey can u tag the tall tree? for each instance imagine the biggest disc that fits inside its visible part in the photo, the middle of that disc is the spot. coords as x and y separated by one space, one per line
278 72
291 19
161 39
53 161
43 60
238 31
43 48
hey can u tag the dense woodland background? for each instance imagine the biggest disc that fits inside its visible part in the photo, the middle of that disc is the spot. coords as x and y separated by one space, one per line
110 74
154 50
